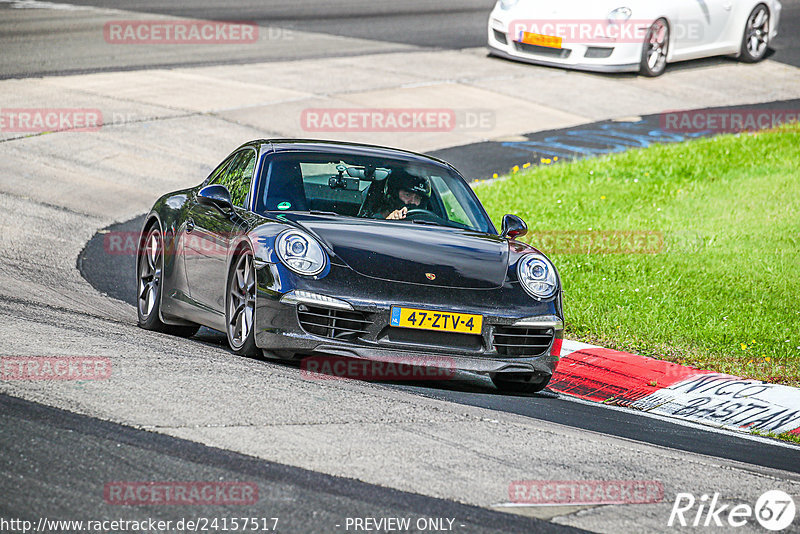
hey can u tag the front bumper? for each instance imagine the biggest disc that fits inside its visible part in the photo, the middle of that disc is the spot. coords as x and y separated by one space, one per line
621 57
279 330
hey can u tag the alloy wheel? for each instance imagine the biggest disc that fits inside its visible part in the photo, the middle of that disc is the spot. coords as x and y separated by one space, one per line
150 272
757 32
241 301
657 45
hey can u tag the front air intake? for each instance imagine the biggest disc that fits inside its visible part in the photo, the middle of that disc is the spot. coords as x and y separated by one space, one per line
519 341
333 324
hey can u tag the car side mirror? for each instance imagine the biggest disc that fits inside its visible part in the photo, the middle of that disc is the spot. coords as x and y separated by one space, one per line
513 227
217 196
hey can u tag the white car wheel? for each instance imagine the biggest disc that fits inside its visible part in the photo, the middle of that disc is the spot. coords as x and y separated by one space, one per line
756 35
655 49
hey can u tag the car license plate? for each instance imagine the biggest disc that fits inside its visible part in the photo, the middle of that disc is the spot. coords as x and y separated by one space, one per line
540 40
464 323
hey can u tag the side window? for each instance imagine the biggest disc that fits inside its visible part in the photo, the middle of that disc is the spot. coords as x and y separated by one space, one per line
453 209
213 178
238 177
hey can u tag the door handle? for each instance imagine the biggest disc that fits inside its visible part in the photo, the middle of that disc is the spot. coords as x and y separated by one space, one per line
189 226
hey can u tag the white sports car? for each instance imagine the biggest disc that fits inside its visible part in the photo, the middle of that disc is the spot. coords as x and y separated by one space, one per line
630 35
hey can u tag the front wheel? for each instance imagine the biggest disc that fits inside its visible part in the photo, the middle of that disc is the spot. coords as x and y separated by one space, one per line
756 35
241 304
149 269
520 382
655 49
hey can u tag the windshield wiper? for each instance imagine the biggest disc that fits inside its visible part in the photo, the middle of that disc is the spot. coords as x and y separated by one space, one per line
430 223
317 212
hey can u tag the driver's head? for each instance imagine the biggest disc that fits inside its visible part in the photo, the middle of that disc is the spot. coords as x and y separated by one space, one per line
409 198
407 189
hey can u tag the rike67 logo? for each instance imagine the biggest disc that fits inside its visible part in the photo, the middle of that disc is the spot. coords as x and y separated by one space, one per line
774 510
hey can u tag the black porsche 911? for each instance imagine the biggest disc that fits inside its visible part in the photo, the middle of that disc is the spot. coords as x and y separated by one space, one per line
301 248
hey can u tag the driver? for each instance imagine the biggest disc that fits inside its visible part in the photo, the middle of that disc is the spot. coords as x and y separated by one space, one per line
404 192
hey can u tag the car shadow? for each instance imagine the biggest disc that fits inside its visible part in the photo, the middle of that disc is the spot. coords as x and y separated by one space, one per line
693 64
456 381
460 381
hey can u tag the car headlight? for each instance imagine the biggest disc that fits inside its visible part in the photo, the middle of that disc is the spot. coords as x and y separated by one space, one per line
300 252
538 276
508 4
621 14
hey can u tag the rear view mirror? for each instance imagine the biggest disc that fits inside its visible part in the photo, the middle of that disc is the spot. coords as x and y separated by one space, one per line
362 173
513 227
356 172
217 196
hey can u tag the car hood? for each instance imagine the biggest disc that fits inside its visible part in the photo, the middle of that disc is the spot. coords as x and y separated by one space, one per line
583 10
413 253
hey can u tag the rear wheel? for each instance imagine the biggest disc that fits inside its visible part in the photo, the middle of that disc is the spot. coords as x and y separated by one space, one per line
240 305
149 268
756 35
655 49
520 382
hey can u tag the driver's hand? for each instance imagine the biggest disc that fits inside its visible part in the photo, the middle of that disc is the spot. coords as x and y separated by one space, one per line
398 214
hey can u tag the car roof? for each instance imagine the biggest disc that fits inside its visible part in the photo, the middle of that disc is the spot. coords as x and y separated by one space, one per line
319 145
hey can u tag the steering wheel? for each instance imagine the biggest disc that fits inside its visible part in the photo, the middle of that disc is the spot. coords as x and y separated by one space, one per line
423 214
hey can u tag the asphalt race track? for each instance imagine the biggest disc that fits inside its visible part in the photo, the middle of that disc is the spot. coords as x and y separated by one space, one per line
62 45
302 501
320 452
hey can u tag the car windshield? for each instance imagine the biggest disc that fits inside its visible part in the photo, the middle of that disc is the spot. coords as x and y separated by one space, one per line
369 187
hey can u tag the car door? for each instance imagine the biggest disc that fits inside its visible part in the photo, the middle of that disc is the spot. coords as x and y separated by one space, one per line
700 27
210 233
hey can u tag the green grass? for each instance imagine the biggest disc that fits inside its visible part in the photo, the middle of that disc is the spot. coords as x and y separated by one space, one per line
786 436
724 291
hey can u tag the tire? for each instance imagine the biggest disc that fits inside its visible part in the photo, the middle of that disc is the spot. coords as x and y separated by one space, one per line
520 382
149 269
755 40
655 49
240 303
